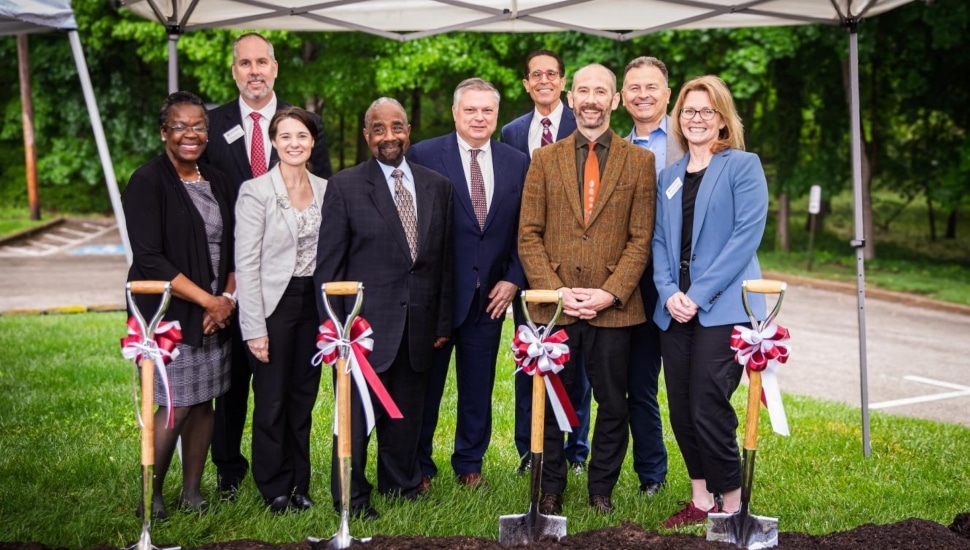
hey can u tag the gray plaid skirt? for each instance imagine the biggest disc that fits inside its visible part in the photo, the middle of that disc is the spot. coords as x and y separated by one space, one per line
198 374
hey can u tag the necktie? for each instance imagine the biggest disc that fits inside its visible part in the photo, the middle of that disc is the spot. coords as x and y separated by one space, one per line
257 151
405 209
591 179
478 189
546 134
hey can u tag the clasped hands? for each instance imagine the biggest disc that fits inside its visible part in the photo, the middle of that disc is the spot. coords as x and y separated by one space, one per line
585 303
681 308
218 312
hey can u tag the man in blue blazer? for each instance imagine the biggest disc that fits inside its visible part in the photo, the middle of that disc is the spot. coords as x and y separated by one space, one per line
646 95
231 130
487 177
550 121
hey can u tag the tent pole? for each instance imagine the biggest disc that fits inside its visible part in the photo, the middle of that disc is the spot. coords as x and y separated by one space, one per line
173 63
95 116
859 242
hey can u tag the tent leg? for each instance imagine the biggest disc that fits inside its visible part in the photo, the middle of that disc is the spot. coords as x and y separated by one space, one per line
860 239
95 116
173 63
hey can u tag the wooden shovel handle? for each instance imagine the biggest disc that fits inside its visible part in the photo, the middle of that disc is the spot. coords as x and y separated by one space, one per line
147 287
541 296
765 286
344 439
754 409
147 414
341 288
538 412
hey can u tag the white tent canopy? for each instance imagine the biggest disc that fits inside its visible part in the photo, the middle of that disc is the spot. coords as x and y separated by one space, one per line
616 19
46 15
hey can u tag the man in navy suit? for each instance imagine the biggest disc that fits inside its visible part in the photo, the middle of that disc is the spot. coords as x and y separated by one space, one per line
487 177
369 234
545 79
231 149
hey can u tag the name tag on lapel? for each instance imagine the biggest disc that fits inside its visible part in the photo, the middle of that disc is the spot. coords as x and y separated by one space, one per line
673 188
233 134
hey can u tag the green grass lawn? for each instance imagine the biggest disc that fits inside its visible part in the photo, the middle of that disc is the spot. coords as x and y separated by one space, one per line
70 476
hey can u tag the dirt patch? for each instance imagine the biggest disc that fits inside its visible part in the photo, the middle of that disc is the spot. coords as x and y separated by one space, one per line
905 535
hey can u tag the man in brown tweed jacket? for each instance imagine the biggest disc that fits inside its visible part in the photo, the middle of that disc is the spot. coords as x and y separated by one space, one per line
585 229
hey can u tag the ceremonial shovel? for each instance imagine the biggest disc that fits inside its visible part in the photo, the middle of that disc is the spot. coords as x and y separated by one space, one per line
342 538
533 526
742 528
147 374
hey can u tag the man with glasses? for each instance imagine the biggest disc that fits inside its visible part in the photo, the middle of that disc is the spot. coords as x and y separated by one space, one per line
239 146
548 122
646 95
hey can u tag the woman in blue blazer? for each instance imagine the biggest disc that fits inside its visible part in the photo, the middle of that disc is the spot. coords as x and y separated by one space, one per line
278 223
712 206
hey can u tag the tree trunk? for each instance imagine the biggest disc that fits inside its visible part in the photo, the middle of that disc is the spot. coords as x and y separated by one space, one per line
951 224
341 124
363 150
27 110
931 215
784 213
416 108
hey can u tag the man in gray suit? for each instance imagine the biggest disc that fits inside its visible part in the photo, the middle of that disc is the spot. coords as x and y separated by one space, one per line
646 95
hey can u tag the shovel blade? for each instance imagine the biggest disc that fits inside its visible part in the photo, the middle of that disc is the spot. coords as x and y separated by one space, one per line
515 530
743 530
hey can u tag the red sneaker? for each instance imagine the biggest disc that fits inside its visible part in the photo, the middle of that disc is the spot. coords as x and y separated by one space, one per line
690 515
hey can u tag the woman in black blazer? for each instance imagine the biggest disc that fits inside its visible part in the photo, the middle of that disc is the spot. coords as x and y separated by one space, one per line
180 224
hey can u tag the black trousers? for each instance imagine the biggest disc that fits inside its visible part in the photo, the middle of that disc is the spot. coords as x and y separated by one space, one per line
701 375
284 392
605 352
397 440
232 408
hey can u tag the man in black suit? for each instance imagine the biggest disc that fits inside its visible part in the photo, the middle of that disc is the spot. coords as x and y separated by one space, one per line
369 234
547 123
232 149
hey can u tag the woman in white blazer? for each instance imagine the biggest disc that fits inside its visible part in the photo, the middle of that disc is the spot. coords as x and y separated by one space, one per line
277 226
712 206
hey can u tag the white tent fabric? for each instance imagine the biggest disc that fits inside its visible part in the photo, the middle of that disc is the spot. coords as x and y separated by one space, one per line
46 15
616 19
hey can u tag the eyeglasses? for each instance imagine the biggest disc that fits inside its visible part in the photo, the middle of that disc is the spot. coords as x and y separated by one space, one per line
706 114
180 129
536 76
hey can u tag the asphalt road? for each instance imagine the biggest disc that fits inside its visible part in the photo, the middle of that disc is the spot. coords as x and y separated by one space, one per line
917 354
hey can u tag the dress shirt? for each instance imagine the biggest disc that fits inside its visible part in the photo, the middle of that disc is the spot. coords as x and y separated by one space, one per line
535 127
266 115
656 143
407 180
484 161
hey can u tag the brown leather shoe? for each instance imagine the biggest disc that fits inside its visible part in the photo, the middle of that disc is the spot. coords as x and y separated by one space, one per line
425 486
601 503
473 480
551 504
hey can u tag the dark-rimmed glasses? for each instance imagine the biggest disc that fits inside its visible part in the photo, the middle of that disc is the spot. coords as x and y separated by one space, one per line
537 75
180 129
688 113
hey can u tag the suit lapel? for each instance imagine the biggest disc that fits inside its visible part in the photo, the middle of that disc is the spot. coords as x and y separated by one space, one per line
384 202
565 163
451 157
674 208
238 148
611 176
709 182
500 189
424 202
279 189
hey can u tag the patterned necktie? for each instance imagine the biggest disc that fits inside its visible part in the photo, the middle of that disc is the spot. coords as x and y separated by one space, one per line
478 190
405 209
591 177
546 134
257 152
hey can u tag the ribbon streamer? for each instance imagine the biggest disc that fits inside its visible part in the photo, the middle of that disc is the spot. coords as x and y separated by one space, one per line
535 352
360 345
765 351
162 350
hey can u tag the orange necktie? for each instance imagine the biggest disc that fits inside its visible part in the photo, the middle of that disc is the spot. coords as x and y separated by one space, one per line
591 182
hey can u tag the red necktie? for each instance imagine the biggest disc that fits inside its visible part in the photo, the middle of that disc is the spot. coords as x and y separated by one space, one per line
591 182
546 134
257 152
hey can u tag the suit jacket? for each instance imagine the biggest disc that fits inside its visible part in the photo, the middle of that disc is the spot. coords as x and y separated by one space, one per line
516 133
233 159
729 221
488 254
610 253
266 242
168 237
362 239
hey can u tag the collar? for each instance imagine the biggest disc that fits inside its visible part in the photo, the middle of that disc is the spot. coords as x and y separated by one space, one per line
603 140
662 128
267 112
555 116
466 148
404 167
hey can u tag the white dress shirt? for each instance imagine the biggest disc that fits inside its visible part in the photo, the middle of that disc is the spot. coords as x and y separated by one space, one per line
535 128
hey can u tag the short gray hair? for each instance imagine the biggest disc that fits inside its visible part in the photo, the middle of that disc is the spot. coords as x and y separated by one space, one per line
383 101
476 84
235 54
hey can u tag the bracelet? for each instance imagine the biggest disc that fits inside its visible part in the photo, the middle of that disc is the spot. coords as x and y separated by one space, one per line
232 298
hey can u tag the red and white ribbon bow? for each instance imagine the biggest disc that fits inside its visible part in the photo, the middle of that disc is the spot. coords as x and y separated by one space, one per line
534 352
360 344
765 351
162 350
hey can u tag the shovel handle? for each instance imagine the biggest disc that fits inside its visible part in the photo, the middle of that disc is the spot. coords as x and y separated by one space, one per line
765 286
754 410
147 287
147 414
538 412
344 438
541 296
341 288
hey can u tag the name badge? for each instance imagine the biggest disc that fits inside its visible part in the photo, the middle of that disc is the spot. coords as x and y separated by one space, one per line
234 133
674 187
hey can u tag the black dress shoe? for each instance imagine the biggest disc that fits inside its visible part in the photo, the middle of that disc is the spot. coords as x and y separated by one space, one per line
651 488
551 504
601 503
525 466
301 502
365 512
158 511
228 488
279 505
200 507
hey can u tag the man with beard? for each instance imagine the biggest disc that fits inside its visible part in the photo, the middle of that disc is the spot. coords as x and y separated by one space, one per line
585 229
239 146
388 223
